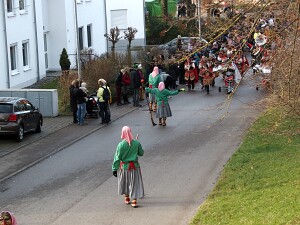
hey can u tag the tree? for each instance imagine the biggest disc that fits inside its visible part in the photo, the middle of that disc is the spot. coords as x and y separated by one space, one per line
113 36
129 35
64 61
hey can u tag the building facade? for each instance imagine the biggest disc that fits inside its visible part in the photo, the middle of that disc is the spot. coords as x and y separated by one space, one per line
36 31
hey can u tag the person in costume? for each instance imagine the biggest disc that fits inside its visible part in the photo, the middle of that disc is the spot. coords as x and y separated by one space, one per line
242 62
142 88
190 73
154 80
7 218
130 182
207 79
163 109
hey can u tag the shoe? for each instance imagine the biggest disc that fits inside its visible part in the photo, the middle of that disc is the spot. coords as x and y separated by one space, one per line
83 124
127 200
102 122
134 203
119 104
138 105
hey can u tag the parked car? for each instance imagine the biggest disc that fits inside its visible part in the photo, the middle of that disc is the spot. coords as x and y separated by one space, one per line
171 46
18 116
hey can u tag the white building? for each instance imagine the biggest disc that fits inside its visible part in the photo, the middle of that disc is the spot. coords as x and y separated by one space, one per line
36 31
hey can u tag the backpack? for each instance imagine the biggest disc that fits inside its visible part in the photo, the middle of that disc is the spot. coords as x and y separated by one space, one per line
106 94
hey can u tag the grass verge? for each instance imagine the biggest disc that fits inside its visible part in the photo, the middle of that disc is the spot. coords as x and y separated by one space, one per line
261 182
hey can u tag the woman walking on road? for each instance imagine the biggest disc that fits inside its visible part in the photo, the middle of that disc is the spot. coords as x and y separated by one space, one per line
154 80
162 94
130 182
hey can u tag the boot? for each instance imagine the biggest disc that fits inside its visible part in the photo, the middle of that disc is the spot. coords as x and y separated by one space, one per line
154 107
164 120
159 121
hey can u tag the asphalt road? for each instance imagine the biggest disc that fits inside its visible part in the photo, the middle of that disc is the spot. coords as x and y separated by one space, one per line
181 165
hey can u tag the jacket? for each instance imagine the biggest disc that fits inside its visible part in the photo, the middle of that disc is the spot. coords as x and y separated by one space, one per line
135 80
79 95
127 153
100 93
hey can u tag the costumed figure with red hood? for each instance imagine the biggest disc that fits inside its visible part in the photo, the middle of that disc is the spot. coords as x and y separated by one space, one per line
153 80
208 78
127 168
190 73
241 62
7 218
203 66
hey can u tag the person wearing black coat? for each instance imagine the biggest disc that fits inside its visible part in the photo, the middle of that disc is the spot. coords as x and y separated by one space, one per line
118 86
81 103
135 84
73 104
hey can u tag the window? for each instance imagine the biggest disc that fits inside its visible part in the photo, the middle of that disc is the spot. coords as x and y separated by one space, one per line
22 4
13 57
80 34
89 34
25 52
119 18
9 6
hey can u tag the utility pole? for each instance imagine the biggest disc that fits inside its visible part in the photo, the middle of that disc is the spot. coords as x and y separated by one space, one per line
199 18
77 41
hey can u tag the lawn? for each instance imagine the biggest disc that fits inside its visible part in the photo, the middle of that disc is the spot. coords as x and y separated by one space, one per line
261 182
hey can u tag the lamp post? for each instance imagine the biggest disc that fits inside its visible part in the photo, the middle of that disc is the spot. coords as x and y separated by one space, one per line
199 19
77 41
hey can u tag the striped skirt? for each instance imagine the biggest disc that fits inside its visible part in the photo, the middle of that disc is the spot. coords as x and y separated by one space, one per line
130 183
152 97
163 111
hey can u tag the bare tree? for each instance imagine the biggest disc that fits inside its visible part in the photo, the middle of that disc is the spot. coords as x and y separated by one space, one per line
129 35
113 36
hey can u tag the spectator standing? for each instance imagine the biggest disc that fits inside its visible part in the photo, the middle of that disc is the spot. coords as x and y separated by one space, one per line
73 104
118 86
125 85
104 100
135 84
81 103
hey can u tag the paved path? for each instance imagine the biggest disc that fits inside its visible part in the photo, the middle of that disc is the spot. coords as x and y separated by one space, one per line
57 133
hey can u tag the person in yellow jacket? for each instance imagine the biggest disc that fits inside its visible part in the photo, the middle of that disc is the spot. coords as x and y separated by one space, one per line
104 98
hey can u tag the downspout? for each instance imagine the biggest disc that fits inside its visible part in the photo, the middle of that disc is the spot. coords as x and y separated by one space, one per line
105 19
6 46
36 42
144 7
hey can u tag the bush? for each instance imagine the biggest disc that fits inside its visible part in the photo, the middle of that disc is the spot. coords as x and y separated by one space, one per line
64 61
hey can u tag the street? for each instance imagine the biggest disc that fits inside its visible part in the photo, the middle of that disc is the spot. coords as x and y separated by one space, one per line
181 165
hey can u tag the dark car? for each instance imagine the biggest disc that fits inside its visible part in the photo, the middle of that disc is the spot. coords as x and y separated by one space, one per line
171 46
18 116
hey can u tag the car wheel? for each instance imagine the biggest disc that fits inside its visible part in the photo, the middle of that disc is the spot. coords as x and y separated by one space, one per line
38 127
20 134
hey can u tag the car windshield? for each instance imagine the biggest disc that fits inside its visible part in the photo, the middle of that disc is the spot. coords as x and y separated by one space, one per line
6 108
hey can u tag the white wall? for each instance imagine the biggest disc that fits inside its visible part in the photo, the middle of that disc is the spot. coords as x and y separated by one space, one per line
62 33
20 27
135 18
3 55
